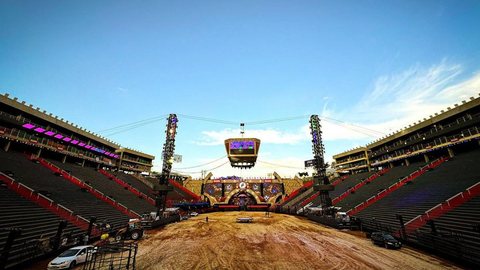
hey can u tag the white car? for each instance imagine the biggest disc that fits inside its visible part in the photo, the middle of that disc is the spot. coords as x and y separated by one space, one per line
193 214
71 257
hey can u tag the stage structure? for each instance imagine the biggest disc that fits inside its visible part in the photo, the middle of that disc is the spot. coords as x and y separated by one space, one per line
162 187
236 193
320 179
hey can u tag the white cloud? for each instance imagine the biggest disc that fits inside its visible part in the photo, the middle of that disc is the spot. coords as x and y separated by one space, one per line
415 93
393 102
401 99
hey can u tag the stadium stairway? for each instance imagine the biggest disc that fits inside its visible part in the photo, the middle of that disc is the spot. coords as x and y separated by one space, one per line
395 186
36 216
128 187
80 200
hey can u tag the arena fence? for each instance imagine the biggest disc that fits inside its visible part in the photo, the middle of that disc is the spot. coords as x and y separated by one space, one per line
115 256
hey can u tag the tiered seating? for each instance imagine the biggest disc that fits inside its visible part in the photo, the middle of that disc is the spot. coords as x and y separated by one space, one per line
295 202
309 200
183 191
338 180
134 182
459 224
177 195
380 183
344 185
107 186
423 193
59 190
128 186
349 182
296 193
34 221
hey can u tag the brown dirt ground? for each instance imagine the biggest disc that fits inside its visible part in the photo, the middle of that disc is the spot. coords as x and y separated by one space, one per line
278 242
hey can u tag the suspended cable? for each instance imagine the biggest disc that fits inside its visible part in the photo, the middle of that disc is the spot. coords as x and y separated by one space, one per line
205 119
134 123
280 165
276 120
208 170
329 119
132 127
137 124
201 165
354 129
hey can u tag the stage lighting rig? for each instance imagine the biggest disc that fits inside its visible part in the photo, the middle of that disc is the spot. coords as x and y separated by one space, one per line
320 179
162 187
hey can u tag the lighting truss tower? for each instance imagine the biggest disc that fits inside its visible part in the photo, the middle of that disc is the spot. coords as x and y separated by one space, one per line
162 187
320 179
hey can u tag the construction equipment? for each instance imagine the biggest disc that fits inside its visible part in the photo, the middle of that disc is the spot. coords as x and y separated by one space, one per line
133 231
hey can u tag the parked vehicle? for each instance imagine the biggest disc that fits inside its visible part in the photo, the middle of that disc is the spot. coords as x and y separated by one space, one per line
193 214
385 239
71 257
152 220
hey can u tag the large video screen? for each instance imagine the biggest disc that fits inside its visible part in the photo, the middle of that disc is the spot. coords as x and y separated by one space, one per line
242 147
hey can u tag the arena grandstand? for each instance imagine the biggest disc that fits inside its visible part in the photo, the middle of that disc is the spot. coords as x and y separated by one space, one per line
421 183
61 185
52 171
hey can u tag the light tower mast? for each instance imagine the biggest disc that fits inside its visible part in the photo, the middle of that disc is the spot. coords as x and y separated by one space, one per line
320 179
163 187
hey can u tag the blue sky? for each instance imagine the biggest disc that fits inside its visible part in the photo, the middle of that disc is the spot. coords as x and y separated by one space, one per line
375 64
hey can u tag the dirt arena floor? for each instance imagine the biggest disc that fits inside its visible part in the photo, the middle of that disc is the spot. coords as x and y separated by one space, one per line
278 242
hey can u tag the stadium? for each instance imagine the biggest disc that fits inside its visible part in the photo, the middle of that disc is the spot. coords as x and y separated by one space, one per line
264 134
61 185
